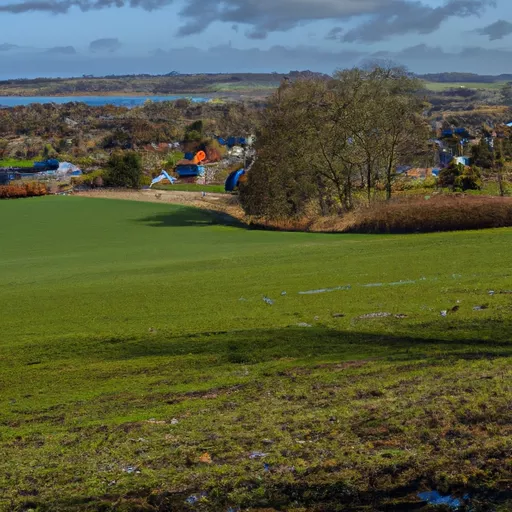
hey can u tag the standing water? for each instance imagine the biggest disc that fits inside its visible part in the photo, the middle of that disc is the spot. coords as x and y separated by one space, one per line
94 101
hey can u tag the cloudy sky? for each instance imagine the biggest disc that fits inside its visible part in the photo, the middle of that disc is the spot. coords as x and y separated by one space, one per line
74 37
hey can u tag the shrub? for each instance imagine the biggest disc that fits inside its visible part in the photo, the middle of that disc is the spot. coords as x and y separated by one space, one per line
441 213
145 180
31 189
193 135
124 169
404 184
459 177
407 215
470 179
91 179
97 182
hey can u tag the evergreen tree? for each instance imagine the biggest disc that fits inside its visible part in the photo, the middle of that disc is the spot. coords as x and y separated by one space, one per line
124 170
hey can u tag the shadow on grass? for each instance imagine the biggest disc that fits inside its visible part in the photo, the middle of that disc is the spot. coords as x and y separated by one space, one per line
186 216
283 348
336 496
259 345
262 345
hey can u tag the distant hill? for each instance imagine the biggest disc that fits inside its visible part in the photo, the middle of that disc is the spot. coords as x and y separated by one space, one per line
465 78
170 83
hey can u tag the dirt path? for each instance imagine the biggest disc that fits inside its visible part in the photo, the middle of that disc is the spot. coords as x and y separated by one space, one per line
219 202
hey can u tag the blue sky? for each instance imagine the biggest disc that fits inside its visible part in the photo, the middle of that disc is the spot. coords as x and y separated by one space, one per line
73 37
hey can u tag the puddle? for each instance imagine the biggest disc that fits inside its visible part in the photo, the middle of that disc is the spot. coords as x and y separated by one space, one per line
399 283
270 302
326 290
257 455
373 285
435 498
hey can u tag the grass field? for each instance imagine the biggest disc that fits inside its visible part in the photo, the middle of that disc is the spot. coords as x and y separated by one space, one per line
443 86
142 369
244 86
13 162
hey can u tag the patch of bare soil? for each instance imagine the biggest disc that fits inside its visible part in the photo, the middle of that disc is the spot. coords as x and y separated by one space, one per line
222 203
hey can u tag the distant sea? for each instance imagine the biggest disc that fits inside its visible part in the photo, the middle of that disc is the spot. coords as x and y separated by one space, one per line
94 101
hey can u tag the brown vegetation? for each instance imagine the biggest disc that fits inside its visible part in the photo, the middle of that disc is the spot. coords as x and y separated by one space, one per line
24 190
441 213
410 215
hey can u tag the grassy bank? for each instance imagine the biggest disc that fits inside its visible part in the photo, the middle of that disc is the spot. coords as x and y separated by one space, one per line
412 213
429 214
142 369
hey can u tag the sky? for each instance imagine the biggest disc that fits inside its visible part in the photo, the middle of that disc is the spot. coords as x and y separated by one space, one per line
73 37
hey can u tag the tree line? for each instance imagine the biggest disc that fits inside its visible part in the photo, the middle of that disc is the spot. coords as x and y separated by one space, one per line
320 140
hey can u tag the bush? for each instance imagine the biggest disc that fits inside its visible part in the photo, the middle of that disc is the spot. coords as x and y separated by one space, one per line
145 180
193 135
470 179
459 177
91 179
31 189
97 182
124 169
405 184
441 213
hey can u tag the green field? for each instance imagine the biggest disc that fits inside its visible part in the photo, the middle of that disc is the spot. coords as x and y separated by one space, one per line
244 86
13 162
135 339
443 86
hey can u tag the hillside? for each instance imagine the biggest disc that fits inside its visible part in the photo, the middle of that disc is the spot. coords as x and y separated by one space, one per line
148 84
154 359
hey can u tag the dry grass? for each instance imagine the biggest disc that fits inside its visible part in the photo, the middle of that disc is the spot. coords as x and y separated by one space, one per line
408 215
439 213
223 203
16 191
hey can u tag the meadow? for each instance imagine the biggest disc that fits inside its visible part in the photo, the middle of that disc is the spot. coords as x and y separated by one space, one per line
153 358
14 162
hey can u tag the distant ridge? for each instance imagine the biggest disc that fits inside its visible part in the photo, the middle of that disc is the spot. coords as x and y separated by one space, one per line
465 78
